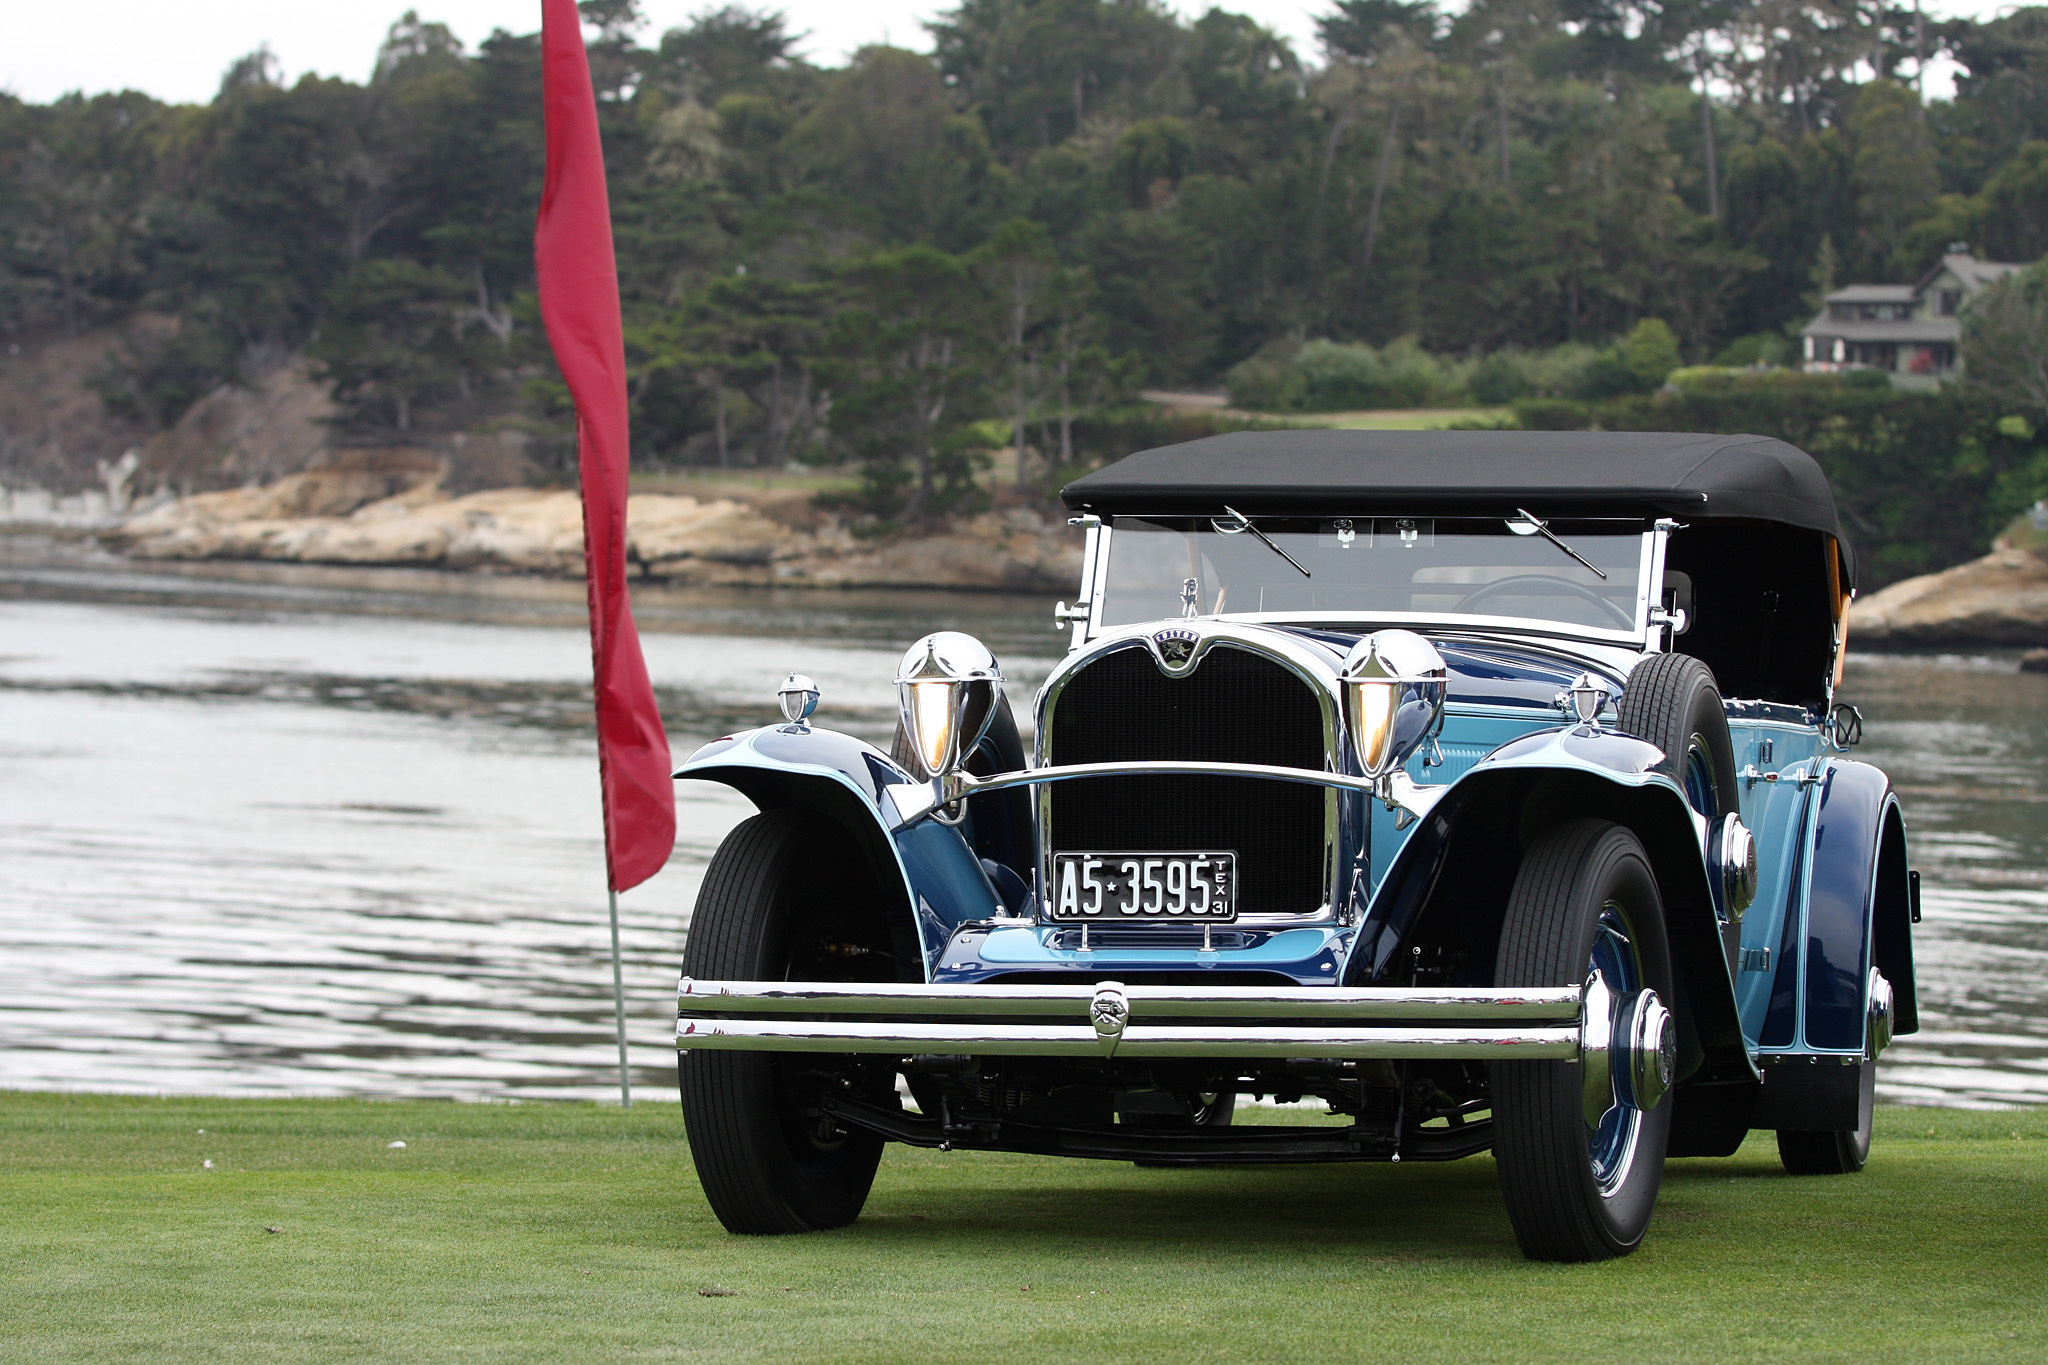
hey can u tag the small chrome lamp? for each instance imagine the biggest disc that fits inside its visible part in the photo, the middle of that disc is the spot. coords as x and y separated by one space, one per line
948 686
1589 697
798 698
1394 686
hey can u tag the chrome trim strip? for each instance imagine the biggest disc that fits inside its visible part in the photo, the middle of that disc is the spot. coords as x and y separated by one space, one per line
1428 622
1137 1040
1031 777
914 802
1088 596
1483 1004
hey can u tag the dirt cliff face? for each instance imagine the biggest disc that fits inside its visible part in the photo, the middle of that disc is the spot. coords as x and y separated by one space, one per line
2000 600
55 433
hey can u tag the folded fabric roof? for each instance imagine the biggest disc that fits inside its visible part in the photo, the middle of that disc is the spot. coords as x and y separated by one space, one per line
1563 473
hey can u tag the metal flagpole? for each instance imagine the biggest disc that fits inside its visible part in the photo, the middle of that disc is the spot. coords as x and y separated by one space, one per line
619 1009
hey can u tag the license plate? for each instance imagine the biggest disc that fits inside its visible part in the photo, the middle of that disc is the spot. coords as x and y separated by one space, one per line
1098 888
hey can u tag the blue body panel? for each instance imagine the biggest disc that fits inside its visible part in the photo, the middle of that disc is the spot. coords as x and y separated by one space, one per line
1308 956
1779 816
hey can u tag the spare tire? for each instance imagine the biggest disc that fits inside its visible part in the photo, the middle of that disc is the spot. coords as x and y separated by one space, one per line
1672 701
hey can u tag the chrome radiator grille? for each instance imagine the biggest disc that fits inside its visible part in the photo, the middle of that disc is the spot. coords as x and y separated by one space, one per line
1236 707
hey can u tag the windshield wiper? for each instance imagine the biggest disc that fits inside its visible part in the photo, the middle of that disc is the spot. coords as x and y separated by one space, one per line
1244 523
1542 528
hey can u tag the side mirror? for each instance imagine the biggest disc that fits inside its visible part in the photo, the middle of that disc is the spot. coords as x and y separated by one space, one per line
1677 601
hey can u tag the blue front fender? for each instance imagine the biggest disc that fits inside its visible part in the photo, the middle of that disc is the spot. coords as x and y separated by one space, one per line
1475 834
929 866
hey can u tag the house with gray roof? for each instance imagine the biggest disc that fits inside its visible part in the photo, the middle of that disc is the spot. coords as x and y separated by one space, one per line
1910 331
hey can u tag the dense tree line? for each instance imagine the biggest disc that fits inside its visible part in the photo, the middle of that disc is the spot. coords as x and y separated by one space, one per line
899 259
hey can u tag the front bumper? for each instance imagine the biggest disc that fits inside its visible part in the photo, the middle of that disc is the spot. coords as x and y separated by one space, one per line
1115 1020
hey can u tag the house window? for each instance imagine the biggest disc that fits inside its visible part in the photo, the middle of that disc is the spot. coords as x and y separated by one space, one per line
1885 312
1842 312
1947 302
1881 355
1935 359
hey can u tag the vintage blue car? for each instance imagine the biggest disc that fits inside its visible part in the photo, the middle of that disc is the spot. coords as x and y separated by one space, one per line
1487 788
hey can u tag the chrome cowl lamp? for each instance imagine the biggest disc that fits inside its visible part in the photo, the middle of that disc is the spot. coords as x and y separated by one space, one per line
948 687
1394 686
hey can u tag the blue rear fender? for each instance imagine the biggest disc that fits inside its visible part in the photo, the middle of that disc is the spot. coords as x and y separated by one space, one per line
1439 907
930 878
1858 913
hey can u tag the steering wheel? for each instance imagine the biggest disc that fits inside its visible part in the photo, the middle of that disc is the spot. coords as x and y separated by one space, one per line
1549 581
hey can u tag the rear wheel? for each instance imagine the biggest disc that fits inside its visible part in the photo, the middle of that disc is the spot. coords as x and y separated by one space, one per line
1580 1160
770 1158
1843 1152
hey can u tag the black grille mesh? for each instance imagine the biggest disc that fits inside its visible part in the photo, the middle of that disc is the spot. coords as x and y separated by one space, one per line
1236 707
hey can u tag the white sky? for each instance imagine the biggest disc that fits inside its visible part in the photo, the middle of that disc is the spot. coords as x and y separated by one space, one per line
177 49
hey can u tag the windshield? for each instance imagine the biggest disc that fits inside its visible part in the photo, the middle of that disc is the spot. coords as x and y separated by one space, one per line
1400 568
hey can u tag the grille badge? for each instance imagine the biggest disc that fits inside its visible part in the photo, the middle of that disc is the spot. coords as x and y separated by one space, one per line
1175 648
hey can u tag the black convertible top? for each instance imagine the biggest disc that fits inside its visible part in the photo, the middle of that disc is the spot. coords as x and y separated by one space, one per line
1566 473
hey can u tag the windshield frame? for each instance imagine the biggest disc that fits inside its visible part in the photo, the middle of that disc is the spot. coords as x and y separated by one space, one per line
1649 570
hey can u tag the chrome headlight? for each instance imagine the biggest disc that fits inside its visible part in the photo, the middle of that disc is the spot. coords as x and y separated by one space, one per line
1394 685
948 686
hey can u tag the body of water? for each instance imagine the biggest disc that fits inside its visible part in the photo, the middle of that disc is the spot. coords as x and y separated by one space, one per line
270 829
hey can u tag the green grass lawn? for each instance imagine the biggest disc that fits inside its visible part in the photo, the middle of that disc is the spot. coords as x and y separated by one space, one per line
575 1233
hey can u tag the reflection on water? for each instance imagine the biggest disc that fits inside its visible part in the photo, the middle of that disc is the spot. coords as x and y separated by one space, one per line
269 829
1965 740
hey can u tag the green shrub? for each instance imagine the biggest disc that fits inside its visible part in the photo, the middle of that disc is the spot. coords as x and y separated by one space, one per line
1552 414
1112 433
1638 363
1758 348
1706 376
1268 380
1499 378
1606 375
1650 350
1335 376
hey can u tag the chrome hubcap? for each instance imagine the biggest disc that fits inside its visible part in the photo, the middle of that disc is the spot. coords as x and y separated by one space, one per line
1612 1123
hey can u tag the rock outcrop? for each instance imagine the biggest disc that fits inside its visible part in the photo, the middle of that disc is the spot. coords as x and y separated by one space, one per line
393 512
2000 600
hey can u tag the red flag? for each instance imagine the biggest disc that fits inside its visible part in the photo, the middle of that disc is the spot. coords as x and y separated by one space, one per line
579 302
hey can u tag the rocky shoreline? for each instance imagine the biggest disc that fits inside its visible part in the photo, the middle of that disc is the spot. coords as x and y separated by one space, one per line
392 511
388 508
1997 602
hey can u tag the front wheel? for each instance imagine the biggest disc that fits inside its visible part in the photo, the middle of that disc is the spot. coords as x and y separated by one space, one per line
1579 1148
768 1154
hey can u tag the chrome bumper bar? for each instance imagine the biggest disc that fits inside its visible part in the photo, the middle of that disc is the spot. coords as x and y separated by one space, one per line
1112 1019
913 801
